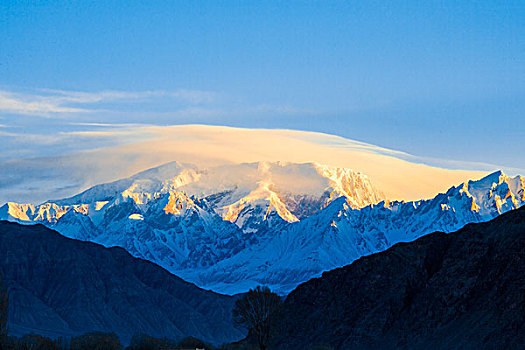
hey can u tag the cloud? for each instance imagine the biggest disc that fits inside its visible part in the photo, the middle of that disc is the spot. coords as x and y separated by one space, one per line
121 134
32 105
66 139
48 103
280 109
183 95
122 152
112 107
110 125
89 133
32 138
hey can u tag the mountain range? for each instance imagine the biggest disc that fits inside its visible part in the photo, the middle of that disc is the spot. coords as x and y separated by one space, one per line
462 290
231 227
63 287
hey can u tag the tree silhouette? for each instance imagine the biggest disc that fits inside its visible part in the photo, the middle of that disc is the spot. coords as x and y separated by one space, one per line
256 311
96 341
4 301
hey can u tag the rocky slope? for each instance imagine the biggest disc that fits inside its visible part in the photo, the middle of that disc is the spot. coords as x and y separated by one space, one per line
63 287
462 290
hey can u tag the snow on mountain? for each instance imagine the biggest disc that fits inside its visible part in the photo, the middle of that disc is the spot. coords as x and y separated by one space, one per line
181 217
229 228
340 234
247 194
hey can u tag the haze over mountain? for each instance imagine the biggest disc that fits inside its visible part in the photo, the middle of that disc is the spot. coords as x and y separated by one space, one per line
63 287
399 175
231 227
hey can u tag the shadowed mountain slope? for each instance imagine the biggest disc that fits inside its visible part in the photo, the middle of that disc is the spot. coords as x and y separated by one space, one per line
463 290
62 287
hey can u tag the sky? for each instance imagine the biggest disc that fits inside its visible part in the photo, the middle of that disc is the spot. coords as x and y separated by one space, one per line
440 80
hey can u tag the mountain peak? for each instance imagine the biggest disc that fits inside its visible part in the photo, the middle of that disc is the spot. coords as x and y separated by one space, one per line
495 177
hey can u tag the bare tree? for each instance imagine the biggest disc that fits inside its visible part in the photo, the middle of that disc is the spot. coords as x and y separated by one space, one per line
4 301
256 312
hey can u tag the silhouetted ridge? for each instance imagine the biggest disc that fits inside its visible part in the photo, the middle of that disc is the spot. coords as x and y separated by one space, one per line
463 290
62 287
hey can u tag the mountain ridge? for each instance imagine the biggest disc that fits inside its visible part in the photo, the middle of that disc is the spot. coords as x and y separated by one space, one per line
176 216
461 290
64 287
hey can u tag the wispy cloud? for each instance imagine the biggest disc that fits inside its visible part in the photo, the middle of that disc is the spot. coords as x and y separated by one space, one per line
110 125
123 133
136 107
33 105
61 137
280 109
37 139
47 103
183 95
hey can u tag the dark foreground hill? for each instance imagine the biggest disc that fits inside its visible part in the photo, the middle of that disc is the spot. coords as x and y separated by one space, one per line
62 287
464 290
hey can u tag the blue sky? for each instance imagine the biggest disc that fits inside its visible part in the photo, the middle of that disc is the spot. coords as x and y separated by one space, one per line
440 79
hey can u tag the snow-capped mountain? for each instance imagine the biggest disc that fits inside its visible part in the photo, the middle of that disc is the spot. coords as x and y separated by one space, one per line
181 217
242 191
340 234
229 228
